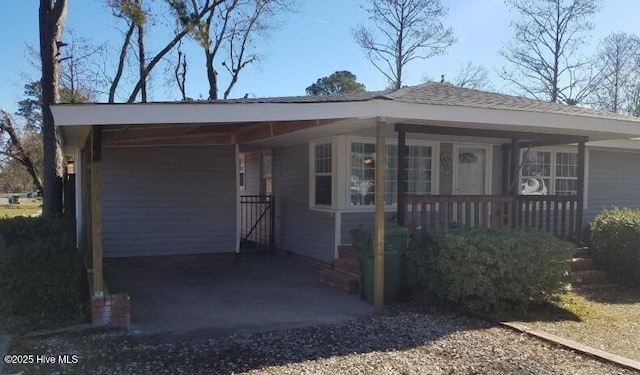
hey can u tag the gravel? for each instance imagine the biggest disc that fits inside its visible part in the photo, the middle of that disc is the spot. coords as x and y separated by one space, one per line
406 341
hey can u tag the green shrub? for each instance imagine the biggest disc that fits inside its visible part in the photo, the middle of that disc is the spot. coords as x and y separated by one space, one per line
615 244
489 269
42 280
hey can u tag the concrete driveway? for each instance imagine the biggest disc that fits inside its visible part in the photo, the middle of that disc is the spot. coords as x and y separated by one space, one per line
249 296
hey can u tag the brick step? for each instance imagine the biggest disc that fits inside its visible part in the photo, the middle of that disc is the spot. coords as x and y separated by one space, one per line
590 277
347 251
347 265
582 252
581 264
339 280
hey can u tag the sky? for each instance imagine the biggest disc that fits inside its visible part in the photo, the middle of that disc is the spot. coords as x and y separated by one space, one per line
310 44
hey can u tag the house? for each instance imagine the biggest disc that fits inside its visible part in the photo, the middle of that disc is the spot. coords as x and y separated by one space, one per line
171 179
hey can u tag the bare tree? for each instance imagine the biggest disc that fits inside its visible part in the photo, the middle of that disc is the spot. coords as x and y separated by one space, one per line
180 74
228 34
52 17
20 147
619 58
542 60
189 20
403 31
472 76
135 17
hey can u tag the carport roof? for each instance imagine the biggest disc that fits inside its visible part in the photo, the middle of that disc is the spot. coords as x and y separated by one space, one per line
430 103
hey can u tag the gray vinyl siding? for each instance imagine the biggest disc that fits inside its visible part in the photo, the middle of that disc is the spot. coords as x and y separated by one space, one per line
614 178
168 200
252 174
299 229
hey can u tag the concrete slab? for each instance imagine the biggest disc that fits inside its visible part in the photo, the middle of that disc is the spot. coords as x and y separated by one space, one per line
5 341
254 295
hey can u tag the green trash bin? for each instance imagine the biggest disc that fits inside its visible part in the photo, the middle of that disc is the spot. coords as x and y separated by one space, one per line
16 199
395 247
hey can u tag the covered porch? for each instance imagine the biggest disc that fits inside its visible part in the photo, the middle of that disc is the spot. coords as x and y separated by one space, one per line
518 205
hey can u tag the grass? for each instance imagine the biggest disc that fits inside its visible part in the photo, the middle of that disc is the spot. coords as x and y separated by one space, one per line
607 319
26 207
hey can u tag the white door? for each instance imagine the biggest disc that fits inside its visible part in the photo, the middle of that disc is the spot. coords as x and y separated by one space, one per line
472 170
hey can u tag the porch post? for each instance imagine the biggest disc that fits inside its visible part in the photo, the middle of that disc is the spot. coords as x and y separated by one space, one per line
402 166
96 210
378 250
513 179
580 190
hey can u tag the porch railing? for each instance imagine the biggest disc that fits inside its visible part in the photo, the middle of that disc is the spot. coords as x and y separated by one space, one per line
556 214
256 224
552 213
438 211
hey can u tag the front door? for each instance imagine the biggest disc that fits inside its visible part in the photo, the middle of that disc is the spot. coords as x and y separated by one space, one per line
471 163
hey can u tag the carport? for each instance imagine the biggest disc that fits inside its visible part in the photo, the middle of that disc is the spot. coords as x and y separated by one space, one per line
251 295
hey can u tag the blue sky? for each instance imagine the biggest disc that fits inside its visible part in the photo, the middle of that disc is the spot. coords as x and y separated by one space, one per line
311 44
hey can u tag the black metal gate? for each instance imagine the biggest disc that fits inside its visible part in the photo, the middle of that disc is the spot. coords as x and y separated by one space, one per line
256 224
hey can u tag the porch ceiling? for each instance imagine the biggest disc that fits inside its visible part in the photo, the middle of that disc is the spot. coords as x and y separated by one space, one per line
201 133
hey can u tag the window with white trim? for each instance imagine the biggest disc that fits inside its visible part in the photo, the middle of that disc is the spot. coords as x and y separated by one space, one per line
549 172
362 172
322 174
566 176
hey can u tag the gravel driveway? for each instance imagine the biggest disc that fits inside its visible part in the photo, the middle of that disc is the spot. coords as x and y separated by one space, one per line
405 341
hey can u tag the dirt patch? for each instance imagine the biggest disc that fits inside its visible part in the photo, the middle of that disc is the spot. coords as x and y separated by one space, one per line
607 319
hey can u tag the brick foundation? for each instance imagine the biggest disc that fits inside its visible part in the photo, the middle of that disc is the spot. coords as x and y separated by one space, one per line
113 310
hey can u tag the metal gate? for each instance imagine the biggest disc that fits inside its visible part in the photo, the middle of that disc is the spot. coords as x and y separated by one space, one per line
256 224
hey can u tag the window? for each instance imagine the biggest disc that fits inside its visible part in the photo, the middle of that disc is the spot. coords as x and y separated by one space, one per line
322 174
242 171
549 172
536 173
566 176
362 172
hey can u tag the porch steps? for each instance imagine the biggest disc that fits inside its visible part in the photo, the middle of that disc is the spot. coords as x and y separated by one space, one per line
347 251
582 268
344 275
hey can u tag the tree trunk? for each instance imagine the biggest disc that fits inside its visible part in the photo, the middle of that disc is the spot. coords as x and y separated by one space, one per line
52 17
123 56
212 75
141 59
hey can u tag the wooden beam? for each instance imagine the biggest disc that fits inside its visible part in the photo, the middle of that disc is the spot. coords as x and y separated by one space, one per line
222 139
506 170
489 133
96 210
378 250
580 192
513 179
402 166
85 173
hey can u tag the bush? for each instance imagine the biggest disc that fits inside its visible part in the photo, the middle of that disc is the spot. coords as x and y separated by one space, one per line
42 280
615 241
489 269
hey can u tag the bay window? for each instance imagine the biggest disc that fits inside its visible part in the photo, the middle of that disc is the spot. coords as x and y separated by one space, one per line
362 172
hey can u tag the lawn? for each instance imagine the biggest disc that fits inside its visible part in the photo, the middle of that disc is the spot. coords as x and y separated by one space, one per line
604 317
26 207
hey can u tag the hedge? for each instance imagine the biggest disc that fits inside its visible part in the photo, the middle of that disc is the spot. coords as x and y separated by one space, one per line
489 269
42 281
615 244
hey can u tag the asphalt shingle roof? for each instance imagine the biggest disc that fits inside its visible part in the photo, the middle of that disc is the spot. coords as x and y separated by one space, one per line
434 93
